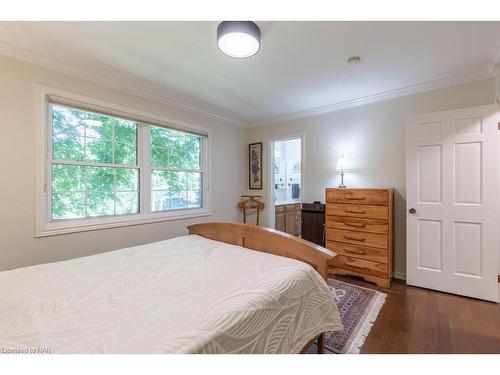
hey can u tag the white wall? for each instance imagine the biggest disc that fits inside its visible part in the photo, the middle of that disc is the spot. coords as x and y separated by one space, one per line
373 138
18 247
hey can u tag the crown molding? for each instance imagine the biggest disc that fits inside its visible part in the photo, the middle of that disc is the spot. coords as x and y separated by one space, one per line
491 70
22 54
382 96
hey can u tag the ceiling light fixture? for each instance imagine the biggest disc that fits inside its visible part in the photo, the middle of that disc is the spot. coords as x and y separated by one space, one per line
238 39
354 60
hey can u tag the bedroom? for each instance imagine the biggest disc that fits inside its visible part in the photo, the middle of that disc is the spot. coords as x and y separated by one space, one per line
366 151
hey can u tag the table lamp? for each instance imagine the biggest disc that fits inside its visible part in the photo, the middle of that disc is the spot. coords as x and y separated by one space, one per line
342 168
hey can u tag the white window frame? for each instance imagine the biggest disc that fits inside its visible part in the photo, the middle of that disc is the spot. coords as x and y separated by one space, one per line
45 226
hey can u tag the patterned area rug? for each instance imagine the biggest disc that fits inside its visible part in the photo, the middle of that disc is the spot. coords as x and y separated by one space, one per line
359 308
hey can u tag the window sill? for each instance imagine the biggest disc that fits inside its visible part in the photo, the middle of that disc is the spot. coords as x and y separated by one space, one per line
74 226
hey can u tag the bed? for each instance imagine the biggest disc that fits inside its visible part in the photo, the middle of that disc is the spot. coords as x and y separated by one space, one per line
224 288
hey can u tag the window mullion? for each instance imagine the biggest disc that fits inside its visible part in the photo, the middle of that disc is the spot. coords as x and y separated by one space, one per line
93 164
205 182
144 155
48 166
166 169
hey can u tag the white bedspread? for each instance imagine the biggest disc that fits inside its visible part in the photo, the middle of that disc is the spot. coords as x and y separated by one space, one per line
183 295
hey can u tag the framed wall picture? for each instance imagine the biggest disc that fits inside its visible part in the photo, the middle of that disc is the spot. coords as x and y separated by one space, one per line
255 166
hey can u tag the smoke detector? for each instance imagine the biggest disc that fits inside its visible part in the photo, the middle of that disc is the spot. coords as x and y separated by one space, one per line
354 60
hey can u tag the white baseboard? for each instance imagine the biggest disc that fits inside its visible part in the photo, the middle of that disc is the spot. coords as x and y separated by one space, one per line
399 275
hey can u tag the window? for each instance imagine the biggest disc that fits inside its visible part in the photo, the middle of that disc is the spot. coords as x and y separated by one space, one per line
94 165
176 173
106 166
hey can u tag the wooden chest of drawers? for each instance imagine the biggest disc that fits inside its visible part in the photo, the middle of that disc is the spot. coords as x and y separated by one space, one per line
359 228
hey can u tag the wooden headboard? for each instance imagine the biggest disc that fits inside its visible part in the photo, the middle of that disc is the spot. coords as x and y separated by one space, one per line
266 240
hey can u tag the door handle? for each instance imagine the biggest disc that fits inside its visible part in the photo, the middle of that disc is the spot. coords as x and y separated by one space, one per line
355 225
355 238
359 252
412 211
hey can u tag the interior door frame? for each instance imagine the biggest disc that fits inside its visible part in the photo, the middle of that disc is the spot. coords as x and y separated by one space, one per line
270 168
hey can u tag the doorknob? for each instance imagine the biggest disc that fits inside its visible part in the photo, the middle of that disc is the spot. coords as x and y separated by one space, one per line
412 211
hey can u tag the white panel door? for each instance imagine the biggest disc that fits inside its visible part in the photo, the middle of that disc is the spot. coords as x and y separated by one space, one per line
452 171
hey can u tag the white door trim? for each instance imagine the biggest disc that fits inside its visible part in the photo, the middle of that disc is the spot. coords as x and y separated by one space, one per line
270 169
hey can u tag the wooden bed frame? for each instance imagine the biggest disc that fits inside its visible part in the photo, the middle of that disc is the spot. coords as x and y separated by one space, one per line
273 242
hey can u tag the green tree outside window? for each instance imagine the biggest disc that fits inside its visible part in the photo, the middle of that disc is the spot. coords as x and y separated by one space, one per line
95 169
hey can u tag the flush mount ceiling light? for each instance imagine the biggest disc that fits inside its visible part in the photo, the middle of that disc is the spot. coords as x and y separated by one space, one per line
238 39
354 60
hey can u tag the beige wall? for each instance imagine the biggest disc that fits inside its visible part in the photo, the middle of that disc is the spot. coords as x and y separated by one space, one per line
18 247
372 137
497 81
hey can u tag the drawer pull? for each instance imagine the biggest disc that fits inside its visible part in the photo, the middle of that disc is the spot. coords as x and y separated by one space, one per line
356 198
354 238
359 252
355 266
355 225
355 212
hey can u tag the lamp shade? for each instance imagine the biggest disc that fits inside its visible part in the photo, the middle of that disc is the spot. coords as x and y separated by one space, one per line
342 164
238 39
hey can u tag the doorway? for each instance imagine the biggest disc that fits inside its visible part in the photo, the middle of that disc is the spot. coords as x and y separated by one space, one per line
286 184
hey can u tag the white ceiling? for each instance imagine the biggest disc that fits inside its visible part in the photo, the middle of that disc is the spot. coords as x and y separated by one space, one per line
301 68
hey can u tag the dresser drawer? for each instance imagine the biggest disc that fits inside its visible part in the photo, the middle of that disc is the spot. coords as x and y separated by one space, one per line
359 251
362 196
357 210
360 265
357 224
358 238
279 209
292 207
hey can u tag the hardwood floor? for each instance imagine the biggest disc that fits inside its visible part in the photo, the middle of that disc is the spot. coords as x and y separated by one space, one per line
416 320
